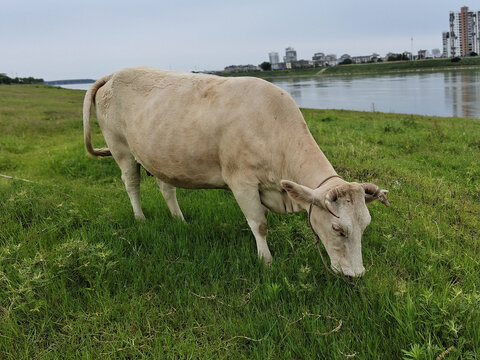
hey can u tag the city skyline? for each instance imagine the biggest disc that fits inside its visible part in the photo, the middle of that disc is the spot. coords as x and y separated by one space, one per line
319 59
276 54
58 40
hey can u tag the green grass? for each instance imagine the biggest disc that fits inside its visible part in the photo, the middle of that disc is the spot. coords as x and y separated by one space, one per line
79 278
404 66
274 73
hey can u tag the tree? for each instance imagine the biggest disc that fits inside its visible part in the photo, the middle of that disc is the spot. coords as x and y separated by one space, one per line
473 53
398 57
4 79
346 61
265 66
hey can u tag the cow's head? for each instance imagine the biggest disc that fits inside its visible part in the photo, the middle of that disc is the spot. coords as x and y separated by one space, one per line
339 216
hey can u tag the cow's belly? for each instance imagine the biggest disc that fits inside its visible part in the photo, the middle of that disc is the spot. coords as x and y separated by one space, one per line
186 177
181 170
178 158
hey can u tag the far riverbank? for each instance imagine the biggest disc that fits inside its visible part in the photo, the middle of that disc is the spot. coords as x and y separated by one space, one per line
390 67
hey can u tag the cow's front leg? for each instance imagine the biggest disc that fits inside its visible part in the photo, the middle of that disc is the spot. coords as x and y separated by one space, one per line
248 198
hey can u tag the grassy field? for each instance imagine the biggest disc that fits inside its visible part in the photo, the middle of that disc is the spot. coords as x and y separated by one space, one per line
275 73
80 279
404 66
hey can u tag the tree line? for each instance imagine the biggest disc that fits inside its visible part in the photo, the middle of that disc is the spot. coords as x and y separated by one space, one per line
4 79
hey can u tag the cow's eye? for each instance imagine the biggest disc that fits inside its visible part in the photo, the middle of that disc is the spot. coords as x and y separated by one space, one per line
338 230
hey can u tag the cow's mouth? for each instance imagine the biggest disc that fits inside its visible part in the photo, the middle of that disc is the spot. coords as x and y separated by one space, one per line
345 271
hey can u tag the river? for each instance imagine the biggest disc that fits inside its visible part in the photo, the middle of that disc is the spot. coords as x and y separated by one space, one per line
446 93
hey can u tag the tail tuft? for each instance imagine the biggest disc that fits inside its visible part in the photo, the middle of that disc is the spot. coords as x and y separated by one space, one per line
100 152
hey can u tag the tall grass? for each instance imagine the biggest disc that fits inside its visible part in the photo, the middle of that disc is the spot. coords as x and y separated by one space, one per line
79 278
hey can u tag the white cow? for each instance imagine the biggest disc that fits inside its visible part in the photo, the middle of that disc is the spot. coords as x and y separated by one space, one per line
244 134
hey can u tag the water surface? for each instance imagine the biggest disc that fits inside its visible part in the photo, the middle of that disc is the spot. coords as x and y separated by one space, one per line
449 93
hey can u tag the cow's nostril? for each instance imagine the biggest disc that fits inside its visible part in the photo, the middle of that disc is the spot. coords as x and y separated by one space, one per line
348 273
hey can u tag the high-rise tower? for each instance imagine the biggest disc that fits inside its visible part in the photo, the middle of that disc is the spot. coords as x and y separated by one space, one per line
463 37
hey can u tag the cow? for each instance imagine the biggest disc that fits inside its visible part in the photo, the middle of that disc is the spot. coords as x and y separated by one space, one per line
244 134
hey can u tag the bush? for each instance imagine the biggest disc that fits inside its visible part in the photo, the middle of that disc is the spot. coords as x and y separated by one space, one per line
455 59
4 79
346 62
265 66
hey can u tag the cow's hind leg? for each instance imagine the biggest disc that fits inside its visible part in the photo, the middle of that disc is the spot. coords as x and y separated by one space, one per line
248 198
169 193
130 176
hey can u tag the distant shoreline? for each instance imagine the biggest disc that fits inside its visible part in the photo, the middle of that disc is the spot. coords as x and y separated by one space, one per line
69 82
394 67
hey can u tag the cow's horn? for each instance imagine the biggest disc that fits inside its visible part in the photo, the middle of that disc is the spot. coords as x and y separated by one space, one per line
331 196
373 192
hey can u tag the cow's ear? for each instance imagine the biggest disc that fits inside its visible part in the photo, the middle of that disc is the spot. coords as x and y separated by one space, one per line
373 192
298 193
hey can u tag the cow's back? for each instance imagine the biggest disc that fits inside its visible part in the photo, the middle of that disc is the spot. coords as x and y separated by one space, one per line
194 130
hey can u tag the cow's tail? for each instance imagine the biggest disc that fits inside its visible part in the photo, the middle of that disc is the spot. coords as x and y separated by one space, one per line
87 103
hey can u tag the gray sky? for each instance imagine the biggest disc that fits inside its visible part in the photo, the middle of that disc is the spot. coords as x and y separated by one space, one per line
65 39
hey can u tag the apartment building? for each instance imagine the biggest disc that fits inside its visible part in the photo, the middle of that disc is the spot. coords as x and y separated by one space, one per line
290 55
463 36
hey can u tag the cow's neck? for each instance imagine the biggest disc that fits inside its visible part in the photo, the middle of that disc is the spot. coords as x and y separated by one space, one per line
305 164
308 165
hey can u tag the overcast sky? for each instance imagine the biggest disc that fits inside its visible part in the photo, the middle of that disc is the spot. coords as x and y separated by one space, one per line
68 39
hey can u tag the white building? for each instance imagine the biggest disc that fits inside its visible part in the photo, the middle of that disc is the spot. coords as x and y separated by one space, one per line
476 32
455 39
447 48
365 58
318 59
331 60
290 55
274 60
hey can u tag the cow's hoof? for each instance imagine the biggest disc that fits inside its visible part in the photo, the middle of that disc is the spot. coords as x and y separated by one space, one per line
267 260
179 217
140 217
